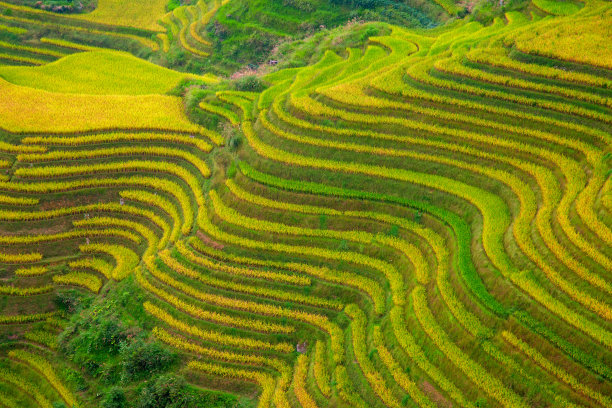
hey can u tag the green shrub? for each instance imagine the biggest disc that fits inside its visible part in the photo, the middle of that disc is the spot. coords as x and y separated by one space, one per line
249 83
115 398
172 4
140 359
168 391
371 31
235 142
75 378
109 336
68 301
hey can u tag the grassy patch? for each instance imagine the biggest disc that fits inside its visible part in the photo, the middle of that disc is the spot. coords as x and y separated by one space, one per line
116 73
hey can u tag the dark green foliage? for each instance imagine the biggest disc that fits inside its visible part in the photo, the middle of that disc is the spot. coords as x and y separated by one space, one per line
176 56
390 11
107 341
172 4
394 230
70 301
235 142
91 337
249 83
418 215
168 391
247 31
171 391
253 47
75 378
109 337
141 359
481 403
115 398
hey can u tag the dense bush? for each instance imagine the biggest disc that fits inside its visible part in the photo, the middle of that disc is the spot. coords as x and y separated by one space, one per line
171 391
249 83
140 358
115 398
109 336
69 301
86 339
168 391
360 3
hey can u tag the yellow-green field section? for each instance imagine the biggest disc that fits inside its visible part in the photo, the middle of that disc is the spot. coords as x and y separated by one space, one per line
24 109
581 40
134 13
116 73
558 8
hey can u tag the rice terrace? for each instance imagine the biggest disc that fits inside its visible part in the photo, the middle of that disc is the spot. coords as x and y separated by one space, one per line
305 203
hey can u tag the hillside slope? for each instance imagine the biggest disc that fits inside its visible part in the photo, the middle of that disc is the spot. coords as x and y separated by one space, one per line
422 219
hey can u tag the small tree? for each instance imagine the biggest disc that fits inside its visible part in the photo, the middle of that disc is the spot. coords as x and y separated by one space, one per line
115 398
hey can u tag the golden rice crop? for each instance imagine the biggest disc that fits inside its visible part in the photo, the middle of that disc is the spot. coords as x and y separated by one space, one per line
141 14
408 343
391 273
125 259
299 383
22 384
200 313
320 369
555 369
43 367
285 295
582 40
97 264
373 376
34 110
31 271
20 258
215 336
18 319
189 254
24 291
86 280
399 374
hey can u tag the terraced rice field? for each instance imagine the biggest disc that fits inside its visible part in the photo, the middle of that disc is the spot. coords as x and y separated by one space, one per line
421 222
